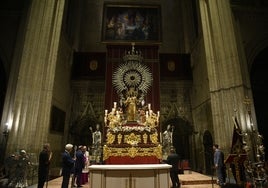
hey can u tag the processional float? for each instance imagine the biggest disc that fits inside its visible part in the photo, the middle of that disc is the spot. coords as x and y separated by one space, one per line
247 158
132 127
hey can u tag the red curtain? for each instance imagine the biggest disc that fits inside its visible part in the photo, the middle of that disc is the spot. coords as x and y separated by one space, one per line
150 54
134 160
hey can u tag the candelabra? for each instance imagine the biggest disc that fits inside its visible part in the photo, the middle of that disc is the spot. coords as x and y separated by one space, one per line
253 145
145 116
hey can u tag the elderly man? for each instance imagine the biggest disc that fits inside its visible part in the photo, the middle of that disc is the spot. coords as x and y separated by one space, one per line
67 165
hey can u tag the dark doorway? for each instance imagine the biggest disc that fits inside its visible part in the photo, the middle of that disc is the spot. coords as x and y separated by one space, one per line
208 152
259 84
181 133
3 84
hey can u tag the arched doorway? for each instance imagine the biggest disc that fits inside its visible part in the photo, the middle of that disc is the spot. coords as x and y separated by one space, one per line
259 80
3 87
180 138
81 132
3 84
208 152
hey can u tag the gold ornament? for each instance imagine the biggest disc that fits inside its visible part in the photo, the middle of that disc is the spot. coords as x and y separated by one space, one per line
93 65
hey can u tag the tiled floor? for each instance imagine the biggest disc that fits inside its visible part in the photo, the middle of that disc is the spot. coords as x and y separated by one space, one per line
189 180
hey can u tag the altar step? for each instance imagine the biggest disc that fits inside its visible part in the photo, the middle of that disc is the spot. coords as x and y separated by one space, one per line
194 179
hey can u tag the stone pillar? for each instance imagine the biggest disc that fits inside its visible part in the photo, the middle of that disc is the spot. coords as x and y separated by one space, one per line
227 85
29 114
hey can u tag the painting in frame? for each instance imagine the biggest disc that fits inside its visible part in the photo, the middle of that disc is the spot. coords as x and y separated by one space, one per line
131 23
57 120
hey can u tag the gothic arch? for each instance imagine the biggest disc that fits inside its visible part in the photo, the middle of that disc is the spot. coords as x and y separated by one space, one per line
254 48
80 130
182 129
259 80
3 85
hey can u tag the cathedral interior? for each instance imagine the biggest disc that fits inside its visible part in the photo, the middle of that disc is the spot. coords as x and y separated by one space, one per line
207 59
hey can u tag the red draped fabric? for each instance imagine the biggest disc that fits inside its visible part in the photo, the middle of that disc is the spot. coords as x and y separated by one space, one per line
115 54
134 160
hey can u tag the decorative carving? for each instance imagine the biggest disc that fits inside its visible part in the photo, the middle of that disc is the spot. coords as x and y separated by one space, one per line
132 151
253 145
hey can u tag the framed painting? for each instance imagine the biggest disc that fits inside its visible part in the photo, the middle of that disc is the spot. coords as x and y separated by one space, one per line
131 23
57 120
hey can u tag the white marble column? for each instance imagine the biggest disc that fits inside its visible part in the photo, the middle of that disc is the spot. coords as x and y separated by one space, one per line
29 114
228 84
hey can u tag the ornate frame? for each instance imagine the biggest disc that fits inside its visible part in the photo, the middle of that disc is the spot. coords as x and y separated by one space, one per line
131 23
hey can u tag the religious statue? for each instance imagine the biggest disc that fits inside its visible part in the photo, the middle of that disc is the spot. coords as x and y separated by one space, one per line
131 104
96 145
96 137
17 169
167 140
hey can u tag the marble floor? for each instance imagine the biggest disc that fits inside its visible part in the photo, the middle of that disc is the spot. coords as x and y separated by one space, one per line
188 180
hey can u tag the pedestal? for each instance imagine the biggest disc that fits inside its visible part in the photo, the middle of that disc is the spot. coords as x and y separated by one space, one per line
130 176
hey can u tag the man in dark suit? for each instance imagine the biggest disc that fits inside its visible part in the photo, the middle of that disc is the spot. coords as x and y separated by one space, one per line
44 160
79 165
219 165
173 159
67 165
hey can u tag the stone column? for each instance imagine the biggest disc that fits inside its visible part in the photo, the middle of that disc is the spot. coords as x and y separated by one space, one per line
227 85
29 114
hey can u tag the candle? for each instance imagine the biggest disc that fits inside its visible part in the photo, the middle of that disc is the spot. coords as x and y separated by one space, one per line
149 106
106 112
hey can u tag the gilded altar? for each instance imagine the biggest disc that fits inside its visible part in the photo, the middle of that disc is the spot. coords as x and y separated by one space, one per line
132 127
135 140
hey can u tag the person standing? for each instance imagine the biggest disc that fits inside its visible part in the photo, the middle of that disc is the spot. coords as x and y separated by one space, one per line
67 165
79 165
43 169
173 160
219 164
87 163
